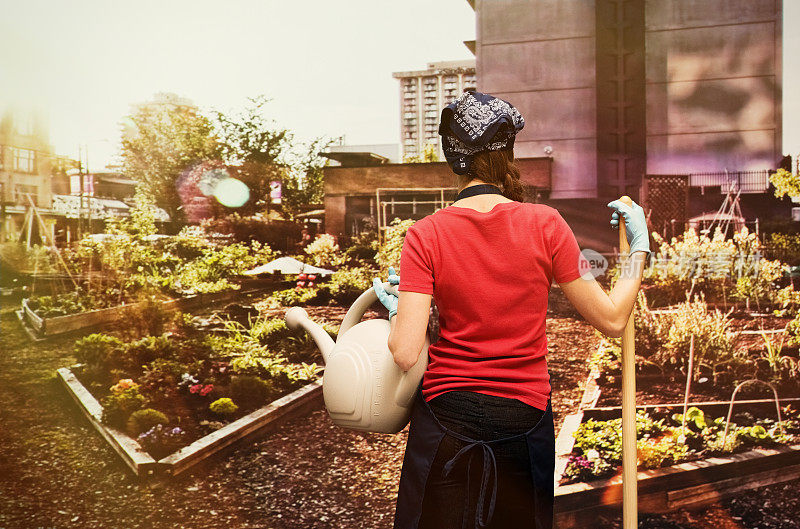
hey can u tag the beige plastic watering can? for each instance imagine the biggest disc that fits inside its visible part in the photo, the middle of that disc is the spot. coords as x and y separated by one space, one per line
363 388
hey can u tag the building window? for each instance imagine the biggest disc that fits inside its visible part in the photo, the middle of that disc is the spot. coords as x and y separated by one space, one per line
24 160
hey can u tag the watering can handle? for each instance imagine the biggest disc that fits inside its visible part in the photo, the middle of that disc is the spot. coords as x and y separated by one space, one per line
364 301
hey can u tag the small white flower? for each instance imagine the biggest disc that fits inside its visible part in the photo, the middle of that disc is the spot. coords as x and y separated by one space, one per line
592 454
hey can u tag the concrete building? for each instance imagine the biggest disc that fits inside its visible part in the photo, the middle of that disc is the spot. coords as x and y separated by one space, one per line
620 89
423 94
25 168
374 154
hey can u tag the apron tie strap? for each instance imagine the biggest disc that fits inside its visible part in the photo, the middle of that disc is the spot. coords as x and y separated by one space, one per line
489 472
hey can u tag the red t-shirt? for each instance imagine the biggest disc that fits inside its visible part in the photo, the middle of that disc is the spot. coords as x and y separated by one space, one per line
490 275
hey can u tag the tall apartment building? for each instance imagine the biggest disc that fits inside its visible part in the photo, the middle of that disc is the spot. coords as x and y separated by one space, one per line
423 94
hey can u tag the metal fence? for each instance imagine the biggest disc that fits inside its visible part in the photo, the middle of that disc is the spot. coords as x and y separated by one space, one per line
746 181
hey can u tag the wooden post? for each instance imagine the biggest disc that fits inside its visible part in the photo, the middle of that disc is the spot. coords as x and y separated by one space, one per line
629 459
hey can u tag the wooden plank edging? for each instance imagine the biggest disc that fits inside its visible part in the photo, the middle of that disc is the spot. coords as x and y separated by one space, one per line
144 466
47 327
245 427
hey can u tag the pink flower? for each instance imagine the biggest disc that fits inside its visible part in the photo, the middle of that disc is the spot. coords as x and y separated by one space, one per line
206 390
195 388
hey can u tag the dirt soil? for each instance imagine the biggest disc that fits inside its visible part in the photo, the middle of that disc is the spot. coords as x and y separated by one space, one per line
655 391
56 471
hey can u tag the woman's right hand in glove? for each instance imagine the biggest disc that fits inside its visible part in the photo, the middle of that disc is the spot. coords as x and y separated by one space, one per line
635 224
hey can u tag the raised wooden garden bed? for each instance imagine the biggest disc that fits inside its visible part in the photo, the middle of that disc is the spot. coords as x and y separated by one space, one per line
691 484
256 423
684 485
40 328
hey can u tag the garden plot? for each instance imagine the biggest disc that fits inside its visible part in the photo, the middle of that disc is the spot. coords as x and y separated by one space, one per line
131 264
145 466
685 462
168 400
39 327
737 328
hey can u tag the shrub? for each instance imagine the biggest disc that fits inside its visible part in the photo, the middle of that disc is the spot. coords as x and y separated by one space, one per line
142 420
96 349
223 406
161 377
782 246
135 355
389 252
346 284
119 405
250 391
324 251
149 317
760 285
279 235
714 345
294 296
363 246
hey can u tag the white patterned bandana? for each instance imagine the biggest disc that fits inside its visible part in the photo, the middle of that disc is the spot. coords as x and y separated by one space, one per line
477 122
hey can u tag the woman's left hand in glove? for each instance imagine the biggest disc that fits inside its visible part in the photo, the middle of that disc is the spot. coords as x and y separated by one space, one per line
388 299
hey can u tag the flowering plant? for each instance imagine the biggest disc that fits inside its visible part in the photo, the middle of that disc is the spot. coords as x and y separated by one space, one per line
161 440
200 389
187 380
122 385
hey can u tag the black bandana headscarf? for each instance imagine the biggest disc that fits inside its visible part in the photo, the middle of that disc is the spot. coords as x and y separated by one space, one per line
477 122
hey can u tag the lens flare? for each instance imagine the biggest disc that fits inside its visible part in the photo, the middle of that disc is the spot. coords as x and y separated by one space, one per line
210 179
231 192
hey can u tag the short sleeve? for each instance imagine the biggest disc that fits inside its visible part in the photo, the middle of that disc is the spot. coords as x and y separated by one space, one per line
566 253
416 263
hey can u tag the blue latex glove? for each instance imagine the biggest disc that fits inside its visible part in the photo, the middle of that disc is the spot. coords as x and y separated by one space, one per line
635 224
389 300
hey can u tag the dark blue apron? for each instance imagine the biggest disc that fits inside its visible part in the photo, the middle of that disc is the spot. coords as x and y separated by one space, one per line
425 434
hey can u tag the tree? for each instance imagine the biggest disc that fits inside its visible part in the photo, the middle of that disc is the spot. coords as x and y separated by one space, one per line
430 153
257 147
304 183
785 183
164 140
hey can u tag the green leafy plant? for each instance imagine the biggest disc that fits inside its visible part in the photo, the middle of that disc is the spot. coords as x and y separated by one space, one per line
346 284
142 420
324 251
250 391
119 405
389 251
223 406
243 347
292 297
96 349
714 343
780 365
161 377
136 354
598 444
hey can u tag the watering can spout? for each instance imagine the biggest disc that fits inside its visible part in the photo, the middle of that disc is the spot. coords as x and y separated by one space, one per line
297 318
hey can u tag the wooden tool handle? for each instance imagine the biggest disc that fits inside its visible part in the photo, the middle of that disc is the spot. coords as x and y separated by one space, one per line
629 459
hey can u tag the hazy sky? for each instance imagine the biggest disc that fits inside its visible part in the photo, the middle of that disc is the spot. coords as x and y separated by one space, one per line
327 64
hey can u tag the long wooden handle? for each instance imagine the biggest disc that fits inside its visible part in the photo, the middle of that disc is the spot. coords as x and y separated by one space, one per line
629 459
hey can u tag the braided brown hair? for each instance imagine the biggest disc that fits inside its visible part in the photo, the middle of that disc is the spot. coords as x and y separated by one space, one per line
497 168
